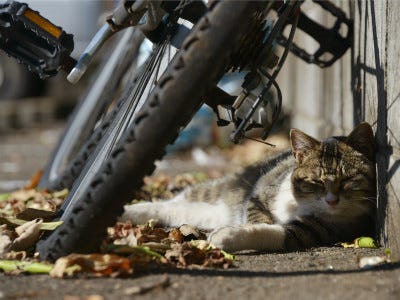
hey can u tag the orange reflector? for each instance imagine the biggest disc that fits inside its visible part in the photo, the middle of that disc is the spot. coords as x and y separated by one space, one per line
42 23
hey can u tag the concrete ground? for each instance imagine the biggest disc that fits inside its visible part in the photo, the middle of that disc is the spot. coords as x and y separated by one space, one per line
322 273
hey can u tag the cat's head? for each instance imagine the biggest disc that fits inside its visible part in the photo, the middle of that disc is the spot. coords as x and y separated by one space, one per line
337 175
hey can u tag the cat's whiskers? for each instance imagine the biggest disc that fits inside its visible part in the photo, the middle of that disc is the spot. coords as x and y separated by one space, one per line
282 189
249 184
369 199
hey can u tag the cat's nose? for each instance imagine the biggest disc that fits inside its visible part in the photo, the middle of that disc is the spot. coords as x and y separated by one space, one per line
331 199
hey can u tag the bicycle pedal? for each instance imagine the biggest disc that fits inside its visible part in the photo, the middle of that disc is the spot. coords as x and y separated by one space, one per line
33 40
332 44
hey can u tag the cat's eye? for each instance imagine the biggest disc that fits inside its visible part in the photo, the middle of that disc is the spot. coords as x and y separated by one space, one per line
310 187
351 185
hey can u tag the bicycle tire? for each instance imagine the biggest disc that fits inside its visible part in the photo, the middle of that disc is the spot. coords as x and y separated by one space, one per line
66 160
201 61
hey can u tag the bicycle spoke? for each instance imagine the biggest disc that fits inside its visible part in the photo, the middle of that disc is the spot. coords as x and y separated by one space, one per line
151 73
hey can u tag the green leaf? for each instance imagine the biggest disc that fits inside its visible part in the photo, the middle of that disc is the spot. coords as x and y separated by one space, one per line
228 255
9 265
30 267
11 221
4 197
6 212
61 194
18 222
50 225
126 249
201 244
37 268
146 250
201 176
366 242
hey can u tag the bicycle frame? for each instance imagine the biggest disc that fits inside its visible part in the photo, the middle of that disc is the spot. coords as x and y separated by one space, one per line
155 107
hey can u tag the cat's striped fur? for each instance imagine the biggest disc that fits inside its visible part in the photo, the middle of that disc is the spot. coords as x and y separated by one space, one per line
317 194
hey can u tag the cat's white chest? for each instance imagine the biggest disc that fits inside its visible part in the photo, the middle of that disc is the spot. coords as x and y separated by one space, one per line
284 207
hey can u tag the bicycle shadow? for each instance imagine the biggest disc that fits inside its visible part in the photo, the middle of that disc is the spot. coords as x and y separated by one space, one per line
363 75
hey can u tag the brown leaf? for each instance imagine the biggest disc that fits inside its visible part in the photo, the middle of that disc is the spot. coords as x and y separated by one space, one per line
176 235
145 234
98 264
188 254
34 182
191 233
121 230
21 200
155 238
215 258
141 260
29 214
5 239
185 254
15 255
28 234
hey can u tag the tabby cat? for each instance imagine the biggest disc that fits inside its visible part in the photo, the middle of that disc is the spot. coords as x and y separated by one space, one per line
317 194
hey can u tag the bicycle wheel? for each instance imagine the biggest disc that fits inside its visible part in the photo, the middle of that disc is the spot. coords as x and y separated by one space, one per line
60 171
105 185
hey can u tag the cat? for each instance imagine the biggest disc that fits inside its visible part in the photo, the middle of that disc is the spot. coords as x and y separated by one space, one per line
318 193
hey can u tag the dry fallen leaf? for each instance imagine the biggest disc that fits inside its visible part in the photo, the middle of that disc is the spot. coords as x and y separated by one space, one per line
96 264
191 233
18 201
176 235
15 255
29 214
372 261
217 258
198 253
28 234
145 246
361 242
132 235
5 239
185 254
34 182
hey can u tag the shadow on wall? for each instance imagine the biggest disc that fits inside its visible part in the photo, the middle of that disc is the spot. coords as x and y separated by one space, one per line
376 72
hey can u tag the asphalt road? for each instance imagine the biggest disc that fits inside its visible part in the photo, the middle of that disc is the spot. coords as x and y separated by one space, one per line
323 273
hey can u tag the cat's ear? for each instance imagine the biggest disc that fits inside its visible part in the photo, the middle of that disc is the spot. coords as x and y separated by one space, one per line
301 144
361 139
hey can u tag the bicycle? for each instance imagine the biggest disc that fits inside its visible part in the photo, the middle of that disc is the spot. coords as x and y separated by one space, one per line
194 46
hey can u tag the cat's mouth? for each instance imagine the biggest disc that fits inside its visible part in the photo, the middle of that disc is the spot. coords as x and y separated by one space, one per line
333 204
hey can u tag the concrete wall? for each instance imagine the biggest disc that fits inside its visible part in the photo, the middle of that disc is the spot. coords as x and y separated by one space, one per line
376 74
363 85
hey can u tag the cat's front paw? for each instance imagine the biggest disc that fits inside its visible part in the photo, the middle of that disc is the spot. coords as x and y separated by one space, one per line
228 238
